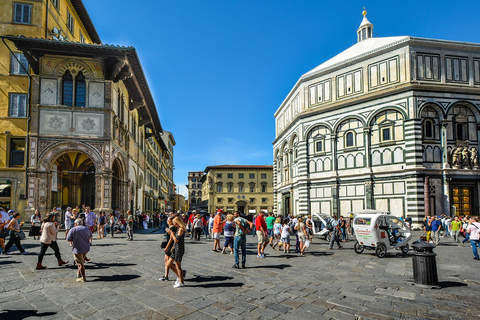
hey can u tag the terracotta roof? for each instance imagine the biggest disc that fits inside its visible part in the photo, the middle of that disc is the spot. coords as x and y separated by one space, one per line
86 21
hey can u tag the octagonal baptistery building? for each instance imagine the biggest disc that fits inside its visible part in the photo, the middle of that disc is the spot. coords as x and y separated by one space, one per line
391 123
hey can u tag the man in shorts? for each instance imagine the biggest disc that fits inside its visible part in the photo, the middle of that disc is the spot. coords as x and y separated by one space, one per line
270 220
90 219
217 231
80 236
262 234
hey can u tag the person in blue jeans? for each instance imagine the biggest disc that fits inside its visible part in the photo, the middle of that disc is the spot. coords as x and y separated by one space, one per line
474 231
242 227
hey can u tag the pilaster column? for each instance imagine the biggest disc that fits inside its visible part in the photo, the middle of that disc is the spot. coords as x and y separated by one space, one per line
335 199
369 195
366 139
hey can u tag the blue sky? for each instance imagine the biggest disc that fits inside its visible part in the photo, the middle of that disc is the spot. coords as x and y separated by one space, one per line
219 69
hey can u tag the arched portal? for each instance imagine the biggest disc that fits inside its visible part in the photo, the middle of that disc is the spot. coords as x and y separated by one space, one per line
75 180
118 185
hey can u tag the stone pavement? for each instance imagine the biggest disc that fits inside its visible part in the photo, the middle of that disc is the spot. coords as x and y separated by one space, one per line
122 283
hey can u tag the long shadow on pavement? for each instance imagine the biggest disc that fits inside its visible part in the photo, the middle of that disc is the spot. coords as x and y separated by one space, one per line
116 277
9 262
108 244
101 265
451 284
22 314
208 278
272 266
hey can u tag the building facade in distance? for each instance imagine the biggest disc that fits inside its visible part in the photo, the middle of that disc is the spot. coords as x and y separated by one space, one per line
246 189
390 123
194 188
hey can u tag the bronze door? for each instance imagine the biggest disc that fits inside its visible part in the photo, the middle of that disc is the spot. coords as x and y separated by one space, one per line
463 200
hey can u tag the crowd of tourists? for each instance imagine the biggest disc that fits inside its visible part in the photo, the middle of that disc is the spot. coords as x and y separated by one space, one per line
283 233
460 229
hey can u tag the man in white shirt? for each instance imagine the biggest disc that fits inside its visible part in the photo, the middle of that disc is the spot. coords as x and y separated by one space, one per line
473 229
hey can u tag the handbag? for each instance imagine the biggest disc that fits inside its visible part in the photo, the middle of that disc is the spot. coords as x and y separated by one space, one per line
163 245
21 235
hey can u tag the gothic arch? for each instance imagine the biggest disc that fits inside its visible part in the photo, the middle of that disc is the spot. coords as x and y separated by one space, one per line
73 64
47 158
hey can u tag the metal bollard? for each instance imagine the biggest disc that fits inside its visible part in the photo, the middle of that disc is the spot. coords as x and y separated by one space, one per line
424 265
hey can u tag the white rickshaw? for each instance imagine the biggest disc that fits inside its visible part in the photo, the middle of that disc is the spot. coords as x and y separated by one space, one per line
319 221
379 231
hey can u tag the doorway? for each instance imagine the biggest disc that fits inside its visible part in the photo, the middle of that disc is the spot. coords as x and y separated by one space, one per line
462 200
75 181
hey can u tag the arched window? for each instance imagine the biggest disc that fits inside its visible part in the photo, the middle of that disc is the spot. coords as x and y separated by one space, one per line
349 139
428 131
67 89
80 90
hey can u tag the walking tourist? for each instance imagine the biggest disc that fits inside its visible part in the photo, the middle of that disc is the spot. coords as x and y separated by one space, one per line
169 248
179 251
270 220
4 219
69 220
197 227
301 232
217 231
49 230
101 225
229 233
240 242
335 233
14 226
286 235
262 235
277 232
455 227
90 219
111 223
129 225
36 221
436 228
211 219
81 237
473 230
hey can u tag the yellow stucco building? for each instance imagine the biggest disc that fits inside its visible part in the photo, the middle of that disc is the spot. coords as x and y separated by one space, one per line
51 19
247 189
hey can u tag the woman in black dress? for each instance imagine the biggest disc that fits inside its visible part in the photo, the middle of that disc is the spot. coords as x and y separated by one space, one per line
36 221
179 250
171 229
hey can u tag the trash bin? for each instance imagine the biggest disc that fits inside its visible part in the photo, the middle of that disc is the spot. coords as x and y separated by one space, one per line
424 265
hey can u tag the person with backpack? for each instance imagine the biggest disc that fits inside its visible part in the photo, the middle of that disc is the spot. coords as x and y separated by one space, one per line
335 232
242 227
474 231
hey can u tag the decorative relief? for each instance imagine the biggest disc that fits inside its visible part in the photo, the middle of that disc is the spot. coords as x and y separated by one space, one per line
89 124
54 122
96 97
48 92
463 157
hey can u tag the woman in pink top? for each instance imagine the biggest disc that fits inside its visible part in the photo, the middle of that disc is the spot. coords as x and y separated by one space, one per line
48 239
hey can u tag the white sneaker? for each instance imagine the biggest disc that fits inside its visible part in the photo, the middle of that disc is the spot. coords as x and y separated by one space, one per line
177 281
178 285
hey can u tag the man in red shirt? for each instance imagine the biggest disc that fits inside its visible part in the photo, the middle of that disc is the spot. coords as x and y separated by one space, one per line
217 231
262 234
190 222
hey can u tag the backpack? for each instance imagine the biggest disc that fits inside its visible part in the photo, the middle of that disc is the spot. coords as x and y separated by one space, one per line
329 225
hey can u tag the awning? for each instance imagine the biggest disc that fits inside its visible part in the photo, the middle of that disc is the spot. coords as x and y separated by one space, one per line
252 211
4 186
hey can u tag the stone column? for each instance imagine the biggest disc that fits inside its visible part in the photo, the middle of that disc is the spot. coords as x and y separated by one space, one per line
335 199
366 139
445 166
99 183
369 195
426 192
